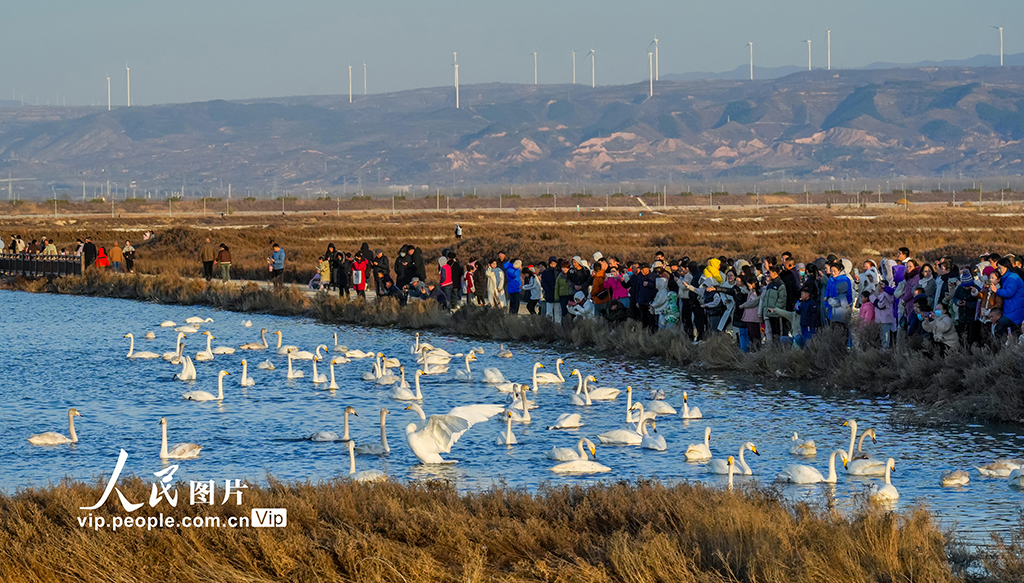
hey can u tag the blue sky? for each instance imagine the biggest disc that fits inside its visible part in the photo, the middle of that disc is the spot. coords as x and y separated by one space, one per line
189 50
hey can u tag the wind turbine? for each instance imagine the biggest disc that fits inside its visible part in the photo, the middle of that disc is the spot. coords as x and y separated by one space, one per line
364 78
808 54
455 63
573 65
751 45
593 79
108 92
650 65
350 83
657 77
1000 29
828 41
534 67
128 73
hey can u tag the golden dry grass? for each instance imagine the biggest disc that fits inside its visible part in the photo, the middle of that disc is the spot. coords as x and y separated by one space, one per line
406 533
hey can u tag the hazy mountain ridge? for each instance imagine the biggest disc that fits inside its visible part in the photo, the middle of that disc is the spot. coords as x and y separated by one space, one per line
858 123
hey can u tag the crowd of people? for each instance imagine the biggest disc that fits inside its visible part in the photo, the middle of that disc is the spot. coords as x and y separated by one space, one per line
115 258
757 300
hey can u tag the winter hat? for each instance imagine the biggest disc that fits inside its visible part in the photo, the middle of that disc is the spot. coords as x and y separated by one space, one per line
579 296
965 276
847 265
552 259
740 264
517 264
988 270
577 259
442 261
598 256
657 265
415 280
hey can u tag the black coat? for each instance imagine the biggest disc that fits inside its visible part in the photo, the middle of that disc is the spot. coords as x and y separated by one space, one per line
418 265
89 251
792 289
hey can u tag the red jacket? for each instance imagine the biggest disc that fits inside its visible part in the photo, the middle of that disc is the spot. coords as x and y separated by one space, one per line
101 258
359 265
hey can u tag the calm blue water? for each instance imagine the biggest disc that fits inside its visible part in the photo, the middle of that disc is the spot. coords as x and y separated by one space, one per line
64 351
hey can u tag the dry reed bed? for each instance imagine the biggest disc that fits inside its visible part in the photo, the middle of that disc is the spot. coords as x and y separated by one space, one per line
405 533
980 384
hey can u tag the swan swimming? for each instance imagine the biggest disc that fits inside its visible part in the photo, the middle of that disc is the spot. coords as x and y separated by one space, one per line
257 345
521 414
568 421
887 492
659 407
466 375
1016 478
365 475
802 447
150 335
568 454
187 329
655 442
605 393
690 412
188 370
293 374
54 438
247 381
581 466
180 451
167 324
247 323
321 436
581 388
377 448
504 352
861 467
701 451
547 378
400 393
507 437
196 320
334 384
860 454
283 349
801 474
492 375
339 347
718 466
317 377
954 478
432 436
266 365
204 396
144 354
417 347
206 355
999 468
628 436
178 347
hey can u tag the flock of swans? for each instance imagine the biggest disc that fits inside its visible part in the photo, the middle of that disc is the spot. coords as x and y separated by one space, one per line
431 436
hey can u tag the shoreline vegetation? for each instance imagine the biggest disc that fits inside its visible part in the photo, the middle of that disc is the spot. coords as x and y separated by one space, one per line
396 532
980 384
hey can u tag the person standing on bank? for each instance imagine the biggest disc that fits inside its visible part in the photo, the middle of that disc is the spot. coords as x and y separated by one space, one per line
276 262
207 254
514 279
444 277
129 256
224 260
89 252
458 231
116 256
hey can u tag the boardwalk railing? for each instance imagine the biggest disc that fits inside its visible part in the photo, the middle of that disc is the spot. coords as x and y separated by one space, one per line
33 265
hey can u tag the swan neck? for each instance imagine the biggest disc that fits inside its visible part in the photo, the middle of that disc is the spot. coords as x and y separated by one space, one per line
279 337
332 373
163 440
131 346
832 466
351 458
384 434
209 340
888 481
853 439
419 395
245 370
220 387
707 437
74 436
263 337
346 427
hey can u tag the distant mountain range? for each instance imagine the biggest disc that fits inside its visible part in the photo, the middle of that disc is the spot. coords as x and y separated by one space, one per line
925 121
743 71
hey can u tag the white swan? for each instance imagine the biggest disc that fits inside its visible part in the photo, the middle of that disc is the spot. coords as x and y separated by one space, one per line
581 389
387 378
178 347
339 347
719 466
659 407
655 442
386 363
888 492
167 324
400 393
732 470
1016 478
54 438
188 370
656 395
340 360
432 436
196 320
334 385
377 448
204 396
568 454
150 335
143 354
493 376
418 346
283 348
187 329
999 468
581 466
504 353
427 358
293 374
701 451
435 369
628 436
223 350
302 354
801 474
568 421
332 436
402 383
690 412
802 447
507 437
266 365
861 467
512 401
522 413
180 451
546 378
247 323
261 345
374 374
954 478
247 381
605 393
466 375
206 355
860 453
318 378
358 354
365 475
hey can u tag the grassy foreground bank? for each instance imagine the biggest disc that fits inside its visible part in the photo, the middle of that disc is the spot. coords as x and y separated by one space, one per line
405 533
980 384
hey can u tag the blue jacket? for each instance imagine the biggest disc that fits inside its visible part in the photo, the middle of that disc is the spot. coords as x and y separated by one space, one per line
1012 291
645 288
547 284
808 313
278 257
513 278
